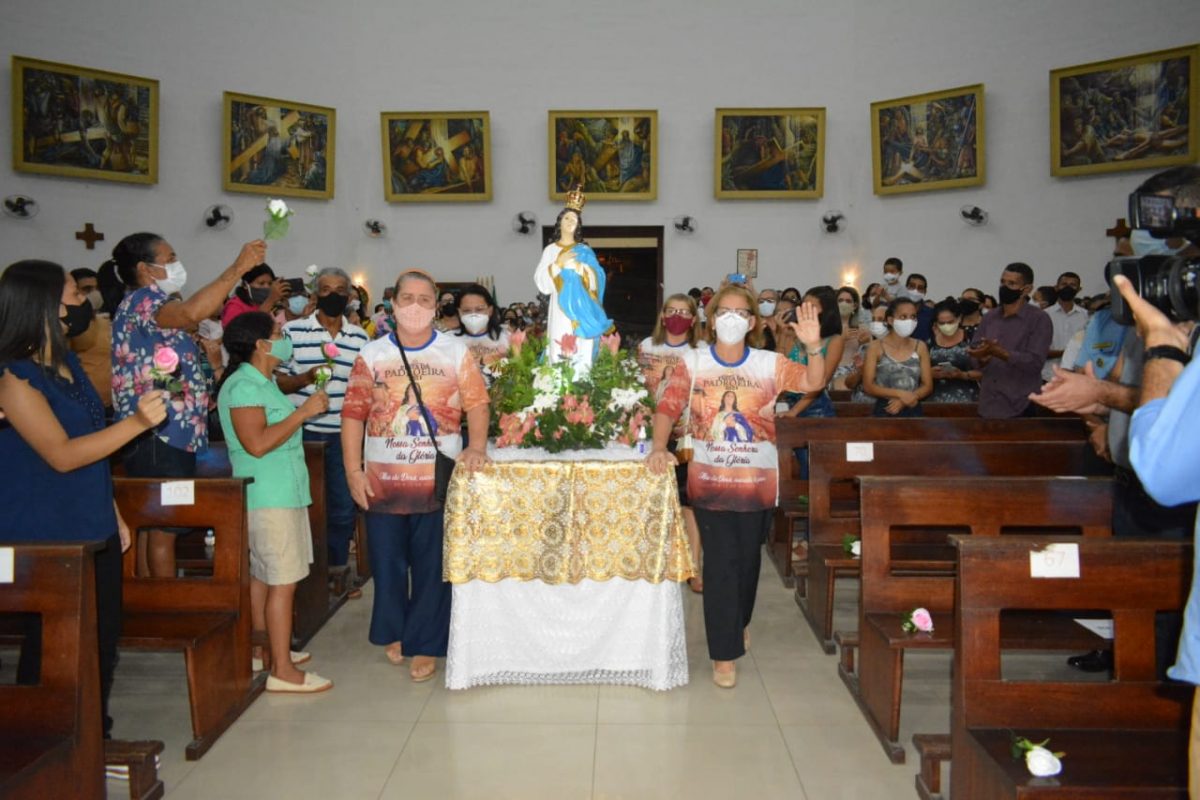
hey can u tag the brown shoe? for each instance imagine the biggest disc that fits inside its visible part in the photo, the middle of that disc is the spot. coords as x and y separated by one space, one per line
726 680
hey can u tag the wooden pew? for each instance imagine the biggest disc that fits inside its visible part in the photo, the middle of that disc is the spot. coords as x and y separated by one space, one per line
908 562
51 743
792 433
1126 737
833 496
314 604
207 618
846 409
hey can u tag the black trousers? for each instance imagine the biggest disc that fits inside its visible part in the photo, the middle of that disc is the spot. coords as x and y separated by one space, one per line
108 628
732 542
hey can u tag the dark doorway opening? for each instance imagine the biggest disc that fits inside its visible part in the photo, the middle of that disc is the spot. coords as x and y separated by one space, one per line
632 257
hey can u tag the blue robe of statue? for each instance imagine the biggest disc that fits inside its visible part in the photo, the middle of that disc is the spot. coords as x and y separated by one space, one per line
577 303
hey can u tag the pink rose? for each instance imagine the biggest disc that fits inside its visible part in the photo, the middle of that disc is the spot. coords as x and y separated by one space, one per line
567 344
922 620
612 341
515 340
330 350
166 359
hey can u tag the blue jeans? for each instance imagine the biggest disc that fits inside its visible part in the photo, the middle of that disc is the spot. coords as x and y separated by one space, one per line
339 506
420 618
821 407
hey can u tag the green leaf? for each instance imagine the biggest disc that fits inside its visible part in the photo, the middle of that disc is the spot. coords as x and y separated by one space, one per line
276 228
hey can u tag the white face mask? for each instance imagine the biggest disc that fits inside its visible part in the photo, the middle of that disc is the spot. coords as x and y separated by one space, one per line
210 329
176 277
904 327
916 296
878 329
1143 244
732 329
95 298
474 323
891 278
947 328
766 307
845 308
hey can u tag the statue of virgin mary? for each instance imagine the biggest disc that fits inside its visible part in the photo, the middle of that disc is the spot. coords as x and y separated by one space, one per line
575 281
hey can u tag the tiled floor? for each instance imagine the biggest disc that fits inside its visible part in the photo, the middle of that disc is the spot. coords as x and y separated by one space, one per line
789 729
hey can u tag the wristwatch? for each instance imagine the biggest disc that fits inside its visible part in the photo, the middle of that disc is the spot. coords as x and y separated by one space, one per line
1168 351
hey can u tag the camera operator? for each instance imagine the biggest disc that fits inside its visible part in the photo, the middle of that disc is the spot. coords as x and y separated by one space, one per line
1164 437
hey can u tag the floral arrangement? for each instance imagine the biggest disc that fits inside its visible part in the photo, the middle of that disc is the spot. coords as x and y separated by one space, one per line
330 351
162 369
919 620
541 404
851 546
1039 761
276 225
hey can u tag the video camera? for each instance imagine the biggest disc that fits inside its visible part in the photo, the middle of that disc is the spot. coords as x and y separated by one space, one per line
1169 283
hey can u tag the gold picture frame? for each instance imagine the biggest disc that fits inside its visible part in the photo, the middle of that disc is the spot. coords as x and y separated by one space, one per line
277 147
613 154
930 141
436 156
109 132
1116 110
769 154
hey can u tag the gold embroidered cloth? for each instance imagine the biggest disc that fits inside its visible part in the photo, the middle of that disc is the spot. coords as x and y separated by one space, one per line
563 522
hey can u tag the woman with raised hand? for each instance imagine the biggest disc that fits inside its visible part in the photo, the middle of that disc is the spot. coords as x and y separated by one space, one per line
55 483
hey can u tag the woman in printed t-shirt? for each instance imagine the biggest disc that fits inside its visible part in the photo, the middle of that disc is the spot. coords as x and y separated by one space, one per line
659 354
733 485
392 475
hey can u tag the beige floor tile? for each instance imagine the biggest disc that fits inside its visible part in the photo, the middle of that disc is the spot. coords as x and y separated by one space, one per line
297 761
473 760
693 762
700 702
523 704
373 691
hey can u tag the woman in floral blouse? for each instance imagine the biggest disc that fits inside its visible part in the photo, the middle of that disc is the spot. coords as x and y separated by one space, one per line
147 321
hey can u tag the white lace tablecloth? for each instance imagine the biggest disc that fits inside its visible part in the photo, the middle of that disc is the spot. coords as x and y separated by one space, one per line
623 632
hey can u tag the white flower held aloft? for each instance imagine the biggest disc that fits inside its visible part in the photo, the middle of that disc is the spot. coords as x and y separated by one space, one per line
277 208
312 270
1041 762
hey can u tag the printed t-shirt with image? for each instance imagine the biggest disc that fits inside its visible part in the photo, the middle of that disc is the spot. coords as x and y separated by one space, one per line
398 453
659 362
735 465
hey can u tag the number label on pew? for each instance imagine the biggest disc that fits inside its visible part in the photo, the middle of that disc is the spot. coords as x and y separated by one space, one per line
6 565
179 493
1059 560
860 451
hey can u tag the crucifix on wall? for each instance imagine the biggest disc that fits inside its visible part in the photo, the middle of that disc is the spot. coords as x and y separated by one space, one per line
90 236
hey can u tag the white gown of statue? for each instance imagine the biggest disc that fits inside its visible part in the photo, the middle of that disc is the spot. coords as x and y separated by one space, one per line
558 324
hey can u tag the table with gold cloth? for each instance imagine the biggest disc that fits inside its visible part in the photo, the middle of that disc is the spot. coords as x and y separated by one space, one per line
565 572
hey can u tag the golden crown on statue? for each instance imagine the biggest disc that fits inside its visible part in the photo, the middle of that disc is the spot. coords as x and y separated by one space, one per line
575 199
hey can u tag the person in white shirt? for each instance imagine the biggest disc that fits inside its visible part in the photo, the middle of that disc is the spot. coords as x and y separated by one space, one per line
1067 318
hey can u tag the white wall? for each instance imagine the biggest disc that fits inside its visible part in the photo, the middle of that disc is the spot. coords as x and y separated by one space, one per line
519 59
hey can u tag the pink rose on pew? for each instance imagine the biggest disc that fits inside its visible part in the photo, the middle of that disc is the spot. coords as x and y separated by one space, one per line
1040 762
919 620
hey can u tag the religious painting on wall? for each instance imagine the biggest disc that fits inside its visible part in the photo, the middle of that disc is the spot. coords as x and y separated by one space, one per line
1127 113
613 155
770 153
437 156
928 141
83 123
277 147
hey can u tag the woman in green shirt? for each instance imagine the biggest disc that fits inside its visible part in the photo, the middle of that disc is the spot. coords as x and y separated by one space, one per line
263 434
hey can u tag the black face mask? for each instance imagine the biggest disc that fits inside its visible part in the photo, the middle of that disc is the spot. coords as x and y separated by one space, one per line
1067 293
259 294
449 310
332 304
968 307
1008 296
78 319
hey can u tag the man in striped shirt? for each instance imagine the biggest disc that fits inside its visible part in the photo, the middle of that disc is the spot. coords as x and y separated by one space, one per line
309 335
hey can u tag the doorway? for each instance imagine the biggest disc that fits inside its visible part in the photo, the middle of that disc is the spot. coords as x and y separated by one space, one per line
632 257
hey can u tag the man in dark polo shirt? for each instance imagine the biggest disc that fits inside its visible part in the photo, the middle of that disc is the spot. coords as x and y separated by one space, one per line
1011 346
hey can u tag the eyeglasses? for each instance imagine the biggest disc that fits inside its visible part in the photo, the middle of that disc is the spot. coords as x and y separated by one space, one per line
744 313
677 312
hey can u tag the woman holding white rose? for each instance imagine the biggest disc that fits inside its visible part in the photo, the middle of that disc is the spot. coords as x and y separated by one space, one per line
733 485
54 477
146 322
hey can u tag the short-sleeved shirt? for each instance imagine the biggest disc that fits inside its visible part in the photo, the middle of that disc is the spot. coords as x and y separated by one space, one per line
659 361
280 476
1102 342
136 338
1006 385
234 308
1065 324
308 336
486 349
40 503
735 466
398 452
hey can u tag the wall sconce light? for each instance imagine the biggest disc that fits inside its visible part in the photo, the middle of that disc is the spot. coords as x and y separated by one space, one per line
218 217
18 206
973 215
685 224
375 229
524 223
834 221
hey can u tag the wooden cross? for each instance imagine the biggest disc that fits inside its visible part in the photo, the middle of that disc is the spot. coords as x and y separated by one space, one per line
1119 230
90 235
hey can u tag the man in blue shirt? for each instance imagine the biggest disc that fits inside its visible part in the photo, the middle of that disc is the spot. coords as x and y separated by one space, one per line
1165 432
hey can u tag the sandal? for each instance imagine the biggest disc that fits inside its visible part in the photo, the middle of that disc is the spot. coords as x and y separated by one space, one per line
424 674
394 654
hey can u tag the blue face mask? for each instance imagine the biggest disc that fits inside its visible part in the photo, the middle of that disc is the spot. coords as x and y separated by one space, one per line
282 349
297 304
1143 244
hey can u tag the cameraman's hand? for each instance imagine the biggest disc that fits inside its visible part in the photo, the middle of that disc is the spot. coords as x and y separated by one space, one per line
1153 326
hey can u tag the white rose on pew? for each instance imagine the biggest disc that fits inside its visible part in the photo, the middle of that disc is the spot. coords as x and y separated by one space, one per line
856 548
1041 762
